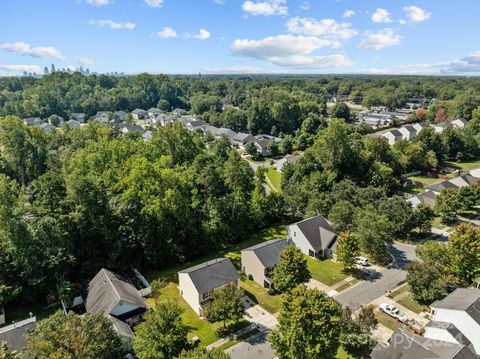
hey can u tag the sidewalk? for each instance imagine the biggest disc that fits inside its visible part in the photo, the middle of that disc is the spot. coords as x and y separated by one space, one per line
315 284
411 315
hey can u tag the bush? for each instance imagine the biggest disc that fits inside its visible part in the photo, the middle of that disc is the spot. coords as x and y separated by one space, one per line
250 277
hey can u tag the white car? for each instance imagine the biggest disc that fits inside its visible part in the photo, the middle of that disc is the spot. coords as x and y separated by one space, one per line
393 311
361 261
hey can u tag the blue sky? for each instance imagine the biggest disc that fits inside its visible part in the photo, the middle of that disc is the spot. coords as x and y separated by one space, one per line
242 36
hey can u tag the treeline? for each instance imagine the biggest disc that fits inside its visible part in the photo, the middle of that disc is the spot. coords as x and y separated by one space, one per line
269 104
73 200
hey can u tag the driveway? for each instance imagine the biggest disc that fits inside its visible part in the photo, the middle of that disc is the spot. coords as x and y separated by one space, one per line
255 314
256 347
381 280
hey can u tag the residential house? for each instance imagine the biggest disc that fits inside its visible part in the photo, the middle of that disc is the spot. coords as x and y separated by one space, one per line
46 127
225 132
375 119
291 159
101 116
459 123
438 127
462 309
212 130
447 332
198 283
15 335
259 261
418 126
78 116
139 114
131 128
195 125
392 136
241 139
408 132
400 116
120 116
115 297
179 112
73 124
314 237
153 112
32 121
427 198
147 136
440 186
262 146
406 345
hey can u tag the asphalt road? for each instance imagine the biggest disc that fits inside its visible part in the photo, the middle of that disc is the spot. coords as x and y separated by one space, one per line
256 347
380 281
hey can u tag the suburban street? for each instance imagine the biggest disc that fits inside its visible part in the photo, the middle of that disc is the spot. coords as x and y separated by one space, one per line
381 281
256 347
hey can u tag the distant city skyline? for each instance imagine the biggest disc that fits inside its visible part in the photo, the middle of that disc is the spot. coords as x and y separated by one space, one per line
427 37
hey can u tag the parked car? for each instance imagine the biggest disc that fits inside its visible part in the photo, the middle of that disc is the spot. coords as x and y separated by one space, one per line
393 311
361 261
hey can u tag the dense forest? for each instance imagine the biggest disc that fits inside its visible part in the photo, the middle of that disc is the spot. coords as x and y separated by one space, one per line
74 200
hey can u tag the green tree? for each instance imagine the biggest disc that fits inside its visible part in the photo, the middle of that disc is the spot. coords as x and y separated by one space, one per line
226 305
202 353
291 270
6 354
426 282
251 149
309 326
464 246
341 110
341 216
73 336
356 337
423 218
348 248
447 205
373 232
162 334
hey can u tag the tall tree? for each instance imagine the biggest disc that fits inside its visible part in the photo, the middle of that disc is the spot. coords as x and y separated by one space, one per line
226 305
348 248
464 245
309 326
291 270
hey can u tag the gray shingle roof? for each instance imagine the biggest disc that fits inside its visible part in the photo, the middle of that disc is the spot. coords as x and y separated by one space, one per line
15 334
439 186
268 253
427 198
212 274
466 299
452 329
107 289
405 345
318 232
226 132
396 133
240 137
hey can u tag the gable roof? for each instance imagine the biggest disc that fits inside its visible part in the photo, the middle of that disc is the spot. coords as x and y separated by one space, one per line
268 253
263 144
139 111
427 198
226 132
471 180
452 329
409 128
318 232
405 345
467 299
107 289
439 186
395 133
240 137
211 274
14 335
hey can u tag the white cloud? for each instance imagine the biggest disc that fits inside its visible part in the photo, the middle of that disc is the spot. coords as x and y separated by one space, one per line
290 51
166 33
86 61
98 2
201 35
20 68
115 25
154 3
43 52
416 14
347 14
328 28
305 5
265 7
379 40
381 16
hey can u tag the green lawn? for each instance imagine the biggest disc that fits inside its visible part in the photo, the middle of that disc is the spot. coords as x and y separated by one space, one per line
275 178
425 179
326 271
388 321
207 332
271 303
437 223
398 291
342 354
22 311
410 303
413 189
465 166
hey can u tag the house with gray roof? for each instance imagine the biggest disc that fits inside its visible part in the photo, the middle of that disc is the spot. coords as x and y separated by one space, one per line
15 335
241 139
32 121
262 146
406 345
198 283
194 125
153 112
179 112
73 124
129 128
408 132
260 260
461 308
440 186
120 116
314 237
78 116
393 136
46 127
101 116
139 114
222 131
447 332
210 129
114 296
427 198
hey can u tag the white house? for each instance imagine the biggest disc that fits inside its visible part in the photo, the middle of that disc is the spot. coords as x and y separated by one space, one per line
408 132
314 237
418 126
462 309
459 123
198 283
438 127
241 139
392 136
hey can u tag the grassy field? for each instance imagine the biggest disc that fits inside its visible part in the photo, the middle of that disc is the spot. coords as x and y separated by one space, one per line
207 332
464 166
425 179
271 303
326 271
410 303
275 178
